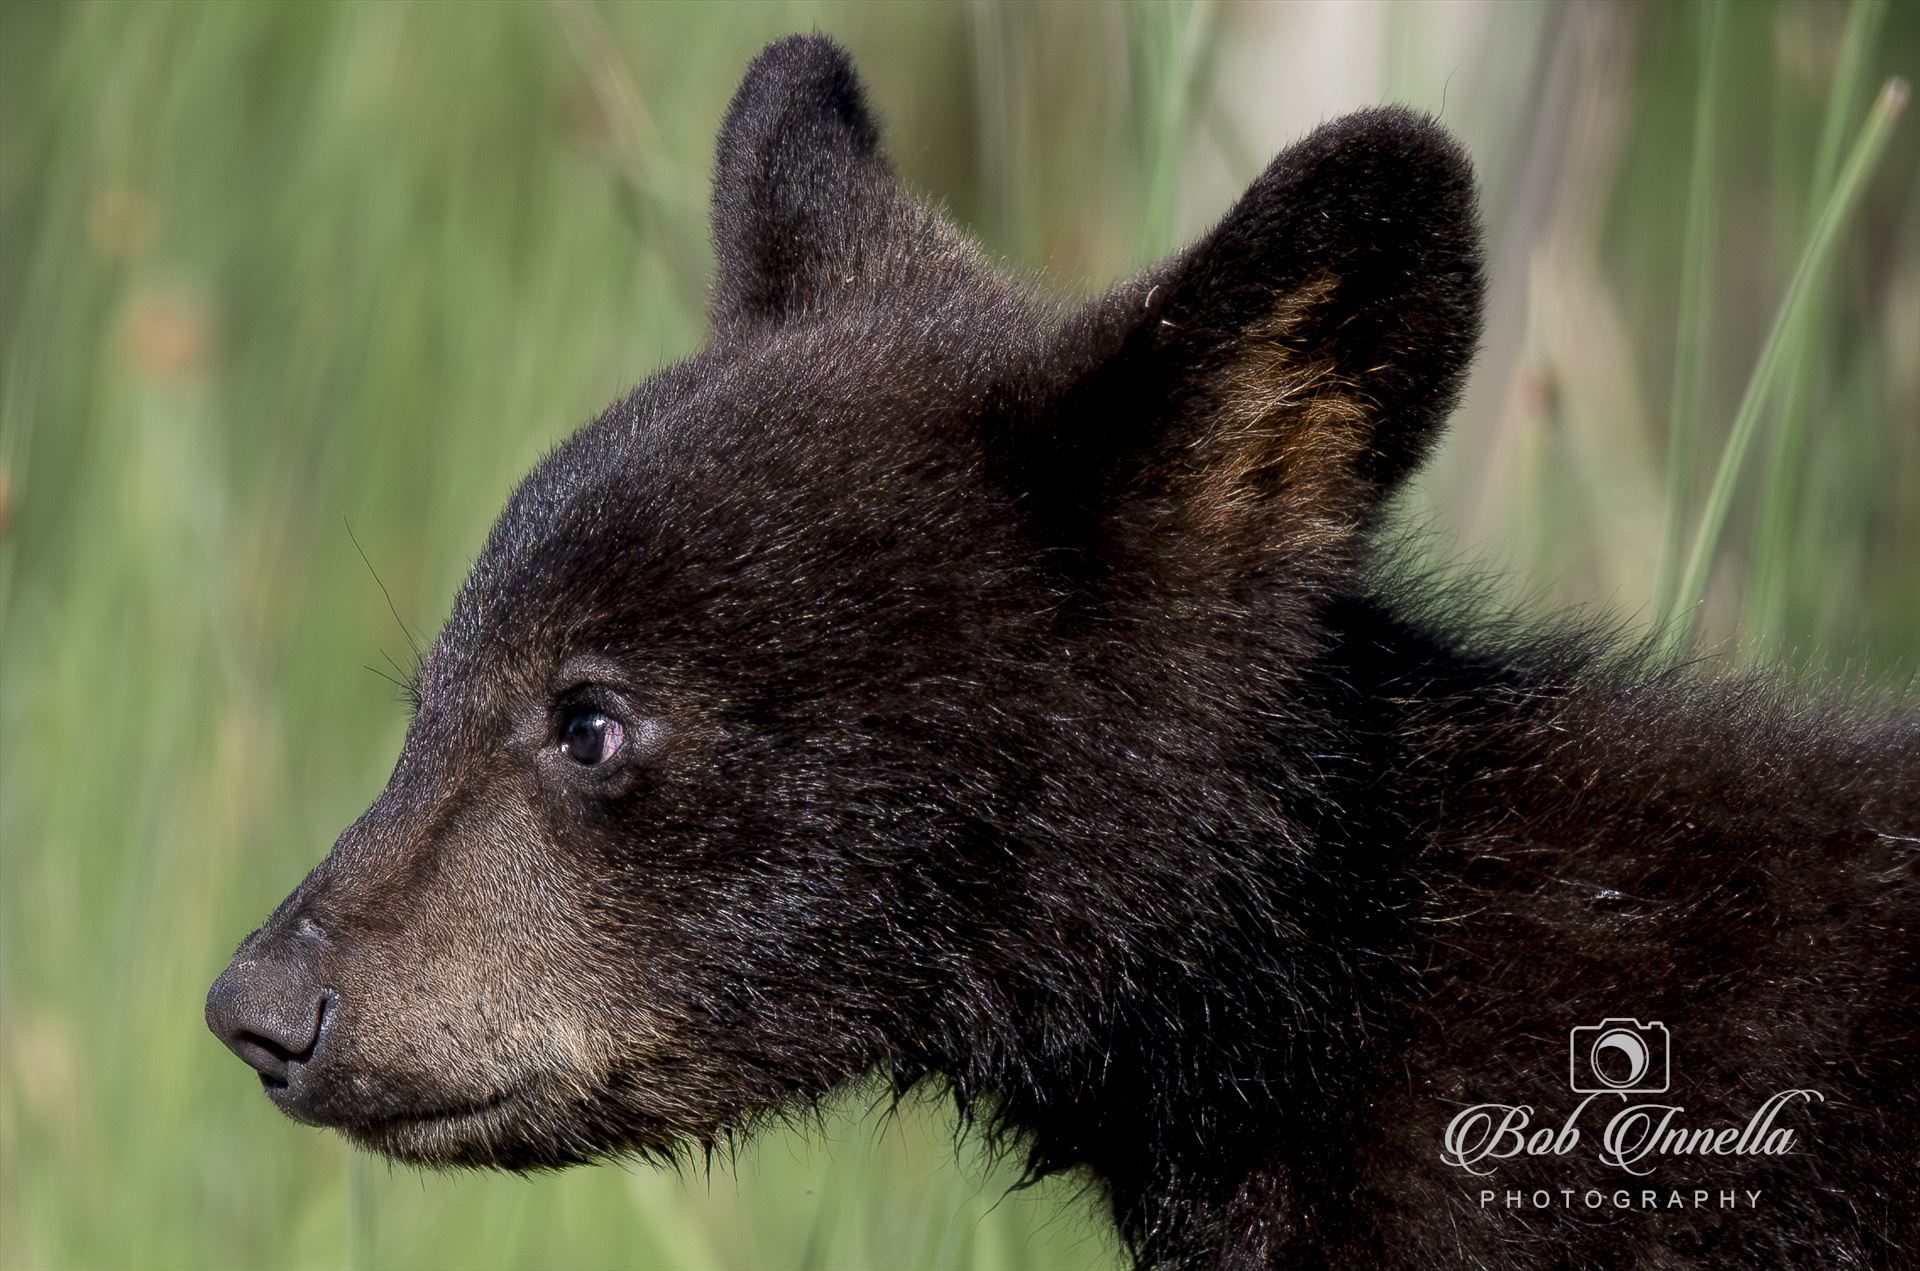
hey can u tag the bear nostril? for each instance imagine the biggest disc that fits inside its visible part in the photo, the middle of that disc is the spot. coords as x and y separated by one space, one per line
264 1056
271 1056
270 1015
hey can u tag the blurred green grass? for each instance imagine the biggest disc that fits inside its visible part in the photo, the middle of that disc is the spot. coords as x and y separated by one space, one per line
269 270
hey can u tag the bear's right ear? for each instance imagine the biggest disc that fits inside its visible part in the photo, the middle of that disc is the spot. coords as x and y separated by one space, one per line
1258 396
805 207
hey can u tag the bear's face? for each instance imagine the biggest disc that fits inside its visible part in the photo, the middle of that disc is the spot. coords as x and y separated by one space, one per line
680 719
746 760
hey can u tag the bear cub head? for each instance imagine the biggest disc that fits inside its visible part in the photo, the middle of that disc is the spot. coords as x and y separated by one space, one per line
899 684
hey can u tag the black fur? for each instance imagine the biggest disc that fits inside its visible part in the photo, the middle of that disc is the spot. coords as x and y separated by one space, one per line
1019 704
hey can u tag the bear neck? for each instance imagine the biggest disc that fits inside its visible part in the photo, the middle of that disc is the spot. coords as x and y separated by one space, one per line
1207 948
1266 943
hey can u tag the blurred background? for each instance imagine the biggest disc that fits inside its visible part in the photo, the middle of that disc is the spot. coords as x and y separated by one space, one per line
268 271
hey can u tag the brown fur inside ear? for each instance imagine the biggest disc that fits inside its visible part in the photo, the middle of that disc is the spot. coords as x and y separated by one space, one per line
1250 403
1274 469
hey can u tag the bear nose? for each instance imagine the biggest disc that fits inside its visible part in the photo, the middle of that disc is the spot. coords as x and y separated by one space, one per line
268 1014
269 1011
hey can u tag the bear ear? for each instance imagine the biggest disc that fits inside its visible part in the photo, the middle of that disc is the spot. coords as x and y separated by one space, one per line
1264 390
804 205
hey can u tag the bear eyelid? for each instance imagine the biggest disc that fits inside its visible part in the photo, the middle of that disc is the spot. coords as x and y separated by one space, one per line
585 673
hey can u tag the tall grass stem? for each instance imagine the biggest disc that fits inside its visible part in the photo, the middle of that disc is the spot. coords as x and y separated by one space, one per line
1165 42
1695 320
360 1239
1775 525
1677 631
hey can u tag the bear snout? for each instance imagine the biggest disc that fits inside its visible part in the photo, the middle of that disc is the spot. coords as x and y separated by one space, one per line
269 1008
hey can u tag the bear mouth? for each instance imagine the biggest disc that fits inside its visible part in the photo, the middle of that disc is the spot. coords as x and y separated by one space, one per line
450 1115
507 1130
333 1106
468 1133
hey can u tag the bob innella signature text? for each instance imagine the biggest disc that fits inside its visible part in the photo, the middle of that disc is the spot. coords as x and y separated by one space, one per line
1630 1140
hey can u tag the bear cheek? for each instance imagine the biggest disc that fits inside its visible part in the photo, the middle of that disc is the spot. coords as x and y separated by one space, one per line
492 982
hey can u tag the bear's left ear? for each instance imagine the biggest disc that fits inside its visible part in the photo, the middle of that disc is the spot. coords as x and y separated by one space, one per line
805 207
1260 393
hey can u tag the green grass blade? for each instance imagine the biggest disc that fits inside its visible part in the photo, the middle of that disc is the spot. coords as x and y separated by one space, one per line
361 1244
1695 320
1852 181
1772 565
1165 41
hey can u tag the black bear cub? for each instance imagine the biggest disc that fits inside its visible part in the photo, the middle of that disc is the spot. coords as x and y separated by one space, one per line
921 682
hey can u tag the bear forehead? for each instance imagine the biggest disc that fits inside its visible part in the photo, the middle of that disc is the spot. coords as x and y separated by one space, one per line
755 474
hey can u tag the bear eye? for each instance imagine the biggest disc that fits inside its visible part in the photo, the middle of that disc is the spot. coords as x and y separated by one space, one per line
589 737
